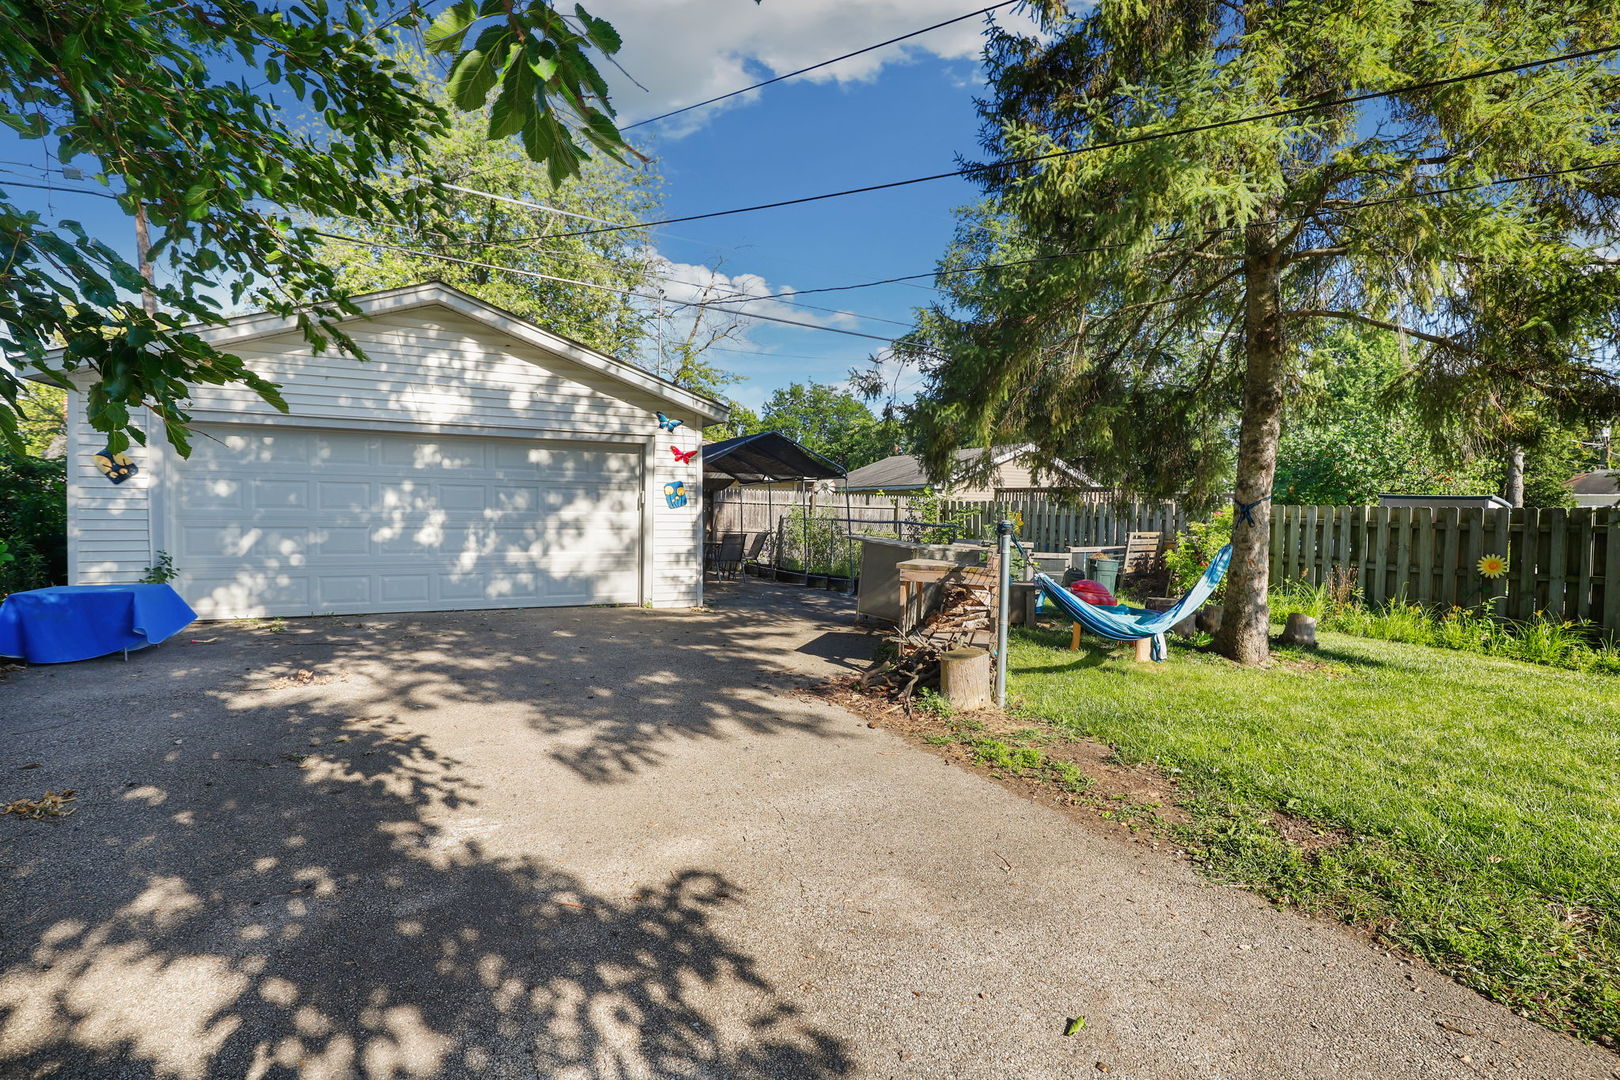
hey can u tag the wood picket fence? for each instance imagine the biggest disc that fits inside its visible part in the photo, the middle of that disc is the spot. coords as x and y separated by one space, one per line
1562 563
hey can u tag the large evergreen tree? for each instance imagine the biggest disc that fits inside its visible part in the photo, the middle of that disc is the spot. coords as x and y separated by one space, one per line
1166 289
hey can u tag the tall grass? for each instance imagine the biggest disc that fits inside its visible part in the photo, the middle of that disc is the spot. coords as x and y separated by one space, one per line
1578 646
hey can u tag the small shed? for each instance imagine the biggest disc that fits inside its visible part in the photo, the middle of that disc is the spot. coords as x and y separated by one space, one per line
1440 502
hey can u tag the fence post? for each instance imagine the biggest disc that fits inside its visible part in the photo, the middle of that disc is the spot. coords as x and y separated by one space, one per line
1557 519
1611 573
1581 521
1427 525
1003 590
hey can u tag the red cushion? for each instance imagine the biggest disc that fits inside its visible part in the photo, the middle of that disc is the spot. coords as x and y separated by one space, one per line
1093 593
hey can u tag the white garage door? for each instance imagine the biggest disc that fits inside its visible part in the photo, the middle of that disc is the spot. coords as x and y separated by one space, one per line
278 521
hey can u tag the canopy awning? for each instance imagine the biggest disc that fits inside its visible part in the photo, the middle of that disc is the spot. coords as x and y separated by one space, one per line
766 458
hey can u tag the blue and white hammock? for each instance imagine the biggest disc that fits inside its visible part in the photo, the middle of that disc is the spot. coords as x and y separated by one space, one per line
1125 623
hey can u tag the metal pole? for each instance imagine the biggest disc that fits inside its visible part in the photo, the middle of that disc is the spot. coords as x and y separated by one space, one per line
1003 589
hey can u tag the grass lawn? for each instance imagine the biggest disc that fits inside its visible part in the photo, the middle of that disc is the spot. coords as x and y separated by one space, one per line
1469 805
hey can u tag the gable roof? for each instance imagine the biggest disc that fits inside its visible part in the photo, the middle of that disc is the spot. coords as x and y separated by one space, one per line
249 327
1601 482
904 472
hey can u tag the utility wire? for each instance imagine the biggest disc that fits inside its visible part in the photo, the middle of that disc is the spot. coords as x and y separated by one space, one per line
58 189
583 284
971 170
815 67
734 298
1076 252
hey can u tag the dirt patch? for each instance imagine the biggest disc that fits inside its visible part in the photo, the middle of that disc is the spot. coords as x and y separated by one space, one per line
301 677
1135 802
1306 835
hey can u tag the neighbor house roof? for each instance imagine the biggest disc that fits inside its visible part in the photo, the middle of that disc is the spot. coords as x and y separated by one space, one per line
1602 482
254 325
904 472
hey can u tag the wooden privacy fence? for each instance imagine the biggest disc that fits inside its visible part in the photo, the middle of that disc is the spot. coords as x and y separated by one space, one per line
1565 563
1049 525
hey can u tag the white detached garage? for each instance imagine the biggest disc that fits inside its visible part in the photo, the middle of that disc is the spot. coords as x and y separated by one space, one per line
474 461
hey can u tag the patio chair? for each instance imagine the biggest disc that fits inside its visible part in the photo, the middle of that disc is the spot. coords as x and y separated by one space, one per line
729 559
756 547
1142 560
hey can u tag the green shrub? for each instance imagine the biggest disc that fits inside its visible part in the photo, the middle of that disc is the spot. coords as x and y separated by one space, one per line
1195 547
160 572
1542 640
818 544
33 522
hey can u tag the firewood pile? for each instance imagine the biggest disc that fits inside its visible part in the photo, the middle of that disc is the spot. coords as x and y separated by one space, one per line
962 618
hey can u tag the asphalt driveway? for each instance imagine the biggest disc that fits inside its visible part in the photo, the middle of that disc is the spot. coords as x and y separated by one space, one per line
609 843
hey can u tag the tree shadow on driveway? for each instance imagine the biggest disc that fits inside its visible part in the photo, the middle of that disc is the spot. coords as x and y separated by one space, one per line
275 874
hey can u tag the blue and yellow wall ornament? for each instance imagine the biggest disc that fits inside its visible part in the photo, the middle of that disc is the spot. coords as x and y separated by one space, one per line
115 467
675 494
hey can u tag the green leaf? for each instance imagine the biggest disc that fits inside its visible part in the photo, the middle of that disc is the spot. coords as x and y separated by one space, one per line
475 71
600 31
514 103
448 30
1075 1025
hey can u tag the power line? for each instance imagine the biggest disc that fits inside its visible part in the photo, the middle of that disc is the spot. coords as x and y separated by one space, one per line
606 221
815 67
763 353
735 298
583 284
58 189
1215 125
1076 252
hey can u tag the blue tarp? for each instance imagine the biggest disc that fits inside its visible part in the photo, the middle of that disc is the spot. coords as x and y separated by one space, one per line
1125 623
79 622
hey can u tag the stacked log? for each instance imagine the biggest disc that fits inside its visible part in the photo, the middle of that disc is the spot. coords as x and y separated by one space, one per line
964 619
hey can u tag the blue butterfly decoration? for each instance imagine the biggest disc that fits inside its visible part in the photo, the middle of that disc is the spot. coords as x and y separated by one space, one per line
666 424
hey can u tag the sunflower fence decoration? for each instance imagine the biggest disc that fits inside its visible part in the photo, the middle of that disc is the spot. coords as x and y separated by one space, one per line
1493 568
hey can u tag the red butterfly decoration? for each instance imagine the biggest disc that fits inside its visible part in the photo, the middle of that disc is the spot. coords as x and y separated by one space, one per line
684 457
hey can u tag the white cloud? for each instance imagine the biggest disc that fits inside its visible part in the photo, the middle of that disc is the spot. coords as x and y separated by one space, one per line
684 51
742 350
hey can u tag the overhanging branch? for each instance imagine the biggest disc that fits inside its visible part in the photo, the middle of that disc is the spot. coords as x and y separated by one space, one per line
1368 320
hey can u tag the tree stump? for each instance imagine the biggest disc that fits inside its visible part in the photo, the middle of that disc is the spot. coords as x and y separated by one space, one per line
1300 630
1142 650
1209 620
964 678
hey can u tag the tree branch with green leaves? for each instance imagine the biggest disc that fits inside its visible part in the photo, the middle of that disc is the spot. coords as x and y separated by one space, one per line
138 93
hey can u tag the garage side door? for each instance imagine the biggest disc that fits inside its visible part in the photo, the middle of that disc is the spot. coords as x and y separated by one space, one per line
278 521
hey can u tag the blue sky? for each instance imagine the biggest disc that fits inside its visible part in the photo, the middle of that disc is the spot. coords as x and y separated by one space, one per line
903 111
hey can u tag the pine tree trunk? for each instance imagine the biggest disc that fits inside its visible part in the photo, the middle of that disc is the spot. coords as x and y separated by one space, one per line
1245 622
1513 488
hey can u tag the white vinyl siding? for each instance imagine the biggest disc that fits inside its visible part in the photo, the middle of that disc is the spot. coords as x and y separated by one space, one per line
431 371
109 525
